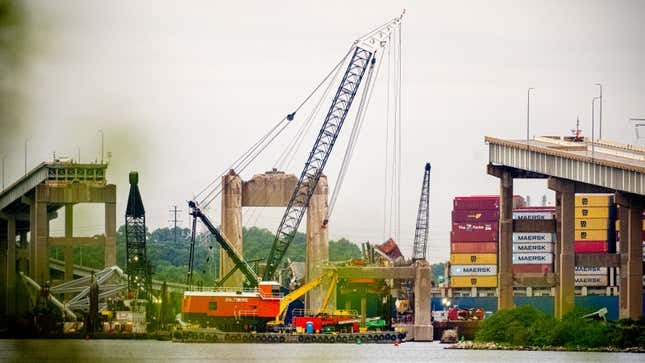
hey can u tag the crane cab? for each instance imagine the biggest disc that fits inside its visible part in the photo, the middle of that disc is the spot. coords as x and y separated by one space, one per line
269 289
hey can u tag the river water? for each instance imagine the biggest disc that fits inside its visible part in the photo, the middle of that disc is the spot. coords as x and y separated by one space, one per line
125 351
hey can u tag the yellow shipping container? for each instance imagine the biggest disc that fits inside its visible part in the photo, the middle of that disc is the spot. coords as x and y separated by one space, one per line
618 225
592 235
473 281
592 212
592 223
594 200
473 258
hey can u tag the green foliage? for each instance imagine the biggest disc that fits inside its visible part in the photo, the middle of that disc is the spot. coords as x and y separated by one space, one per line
169 259
343 250
523 325
527 326
574 331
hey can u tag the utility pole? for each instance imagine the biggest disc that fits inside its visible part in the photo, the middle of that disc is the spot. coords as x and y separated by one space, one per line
174 210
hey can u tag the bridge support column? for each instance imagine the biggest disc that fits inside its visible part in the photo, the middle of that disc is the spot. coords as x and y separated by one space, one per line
39 225
631 253
11 267
564 301
69 248
317 246
110 226
423 330
505 263
556 254
231 225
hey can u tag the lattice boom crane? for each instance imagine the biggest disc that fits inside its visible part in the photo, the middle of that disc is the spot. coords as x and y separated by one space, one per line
363 56
421 232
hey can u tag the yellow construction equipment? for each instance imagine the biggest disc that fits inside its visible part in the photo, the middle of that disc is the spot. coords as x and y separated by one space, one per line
297 293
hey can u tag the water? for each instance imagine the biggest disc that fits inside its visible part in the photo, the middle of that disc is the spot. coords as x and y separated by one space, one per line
122 351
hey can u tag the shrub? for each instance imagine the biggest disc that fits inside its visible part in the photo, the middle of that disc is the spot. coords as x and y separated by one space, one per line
523 325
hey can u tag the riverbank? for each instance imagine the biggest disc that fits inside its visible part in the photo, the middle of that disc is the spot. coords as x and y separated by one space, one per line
493 346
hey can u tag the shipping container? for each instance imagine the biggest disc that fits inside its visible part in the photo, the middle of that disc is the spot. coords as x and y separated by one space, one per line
537 268
468 227
594 200
595 270
593 223
484 202
473 270
533 215
590 247
594 212
476 202
590 280
473 281
592 235
473 247
542 247
473 259
465 216
617 224
532 258
532 237
474 236
618 235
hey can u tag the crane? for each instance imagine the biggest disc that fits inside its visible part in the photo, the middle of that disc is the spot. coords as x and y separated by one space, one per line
233 253
297 293
364 55
421 232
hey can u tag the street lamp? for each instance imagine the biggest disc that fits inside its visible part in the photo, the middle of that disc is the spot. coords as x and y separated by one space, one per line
26 143
593 128
528 109
3 159
600 113
102 136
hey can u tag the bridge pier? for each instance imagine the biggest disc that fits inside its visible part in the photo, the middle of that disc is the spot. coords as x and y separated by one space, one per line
631 251
564 299
505 255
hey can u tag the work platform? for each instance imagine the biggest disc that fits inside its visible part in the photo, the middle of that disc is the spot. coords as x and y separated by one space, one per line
573 166
26 208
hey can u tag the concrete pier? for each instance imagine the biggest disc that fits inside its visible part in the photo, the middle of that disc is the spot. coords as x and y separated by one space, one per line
28 206
631 252
274 189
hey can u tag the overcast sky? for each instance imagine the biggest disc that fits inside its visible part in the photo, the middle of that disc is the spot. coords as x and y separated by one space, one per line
182 88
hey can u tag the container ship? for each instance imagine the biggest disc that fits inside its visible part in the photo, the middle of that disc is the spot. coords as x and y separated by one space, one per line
472 271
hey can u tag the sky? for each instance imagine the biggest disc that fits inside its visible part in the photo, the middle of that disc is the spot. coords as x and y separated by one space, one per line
181 89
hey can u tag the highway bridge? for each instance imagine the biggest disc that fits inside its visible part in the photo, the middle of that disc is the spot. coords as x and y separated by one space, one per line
572 166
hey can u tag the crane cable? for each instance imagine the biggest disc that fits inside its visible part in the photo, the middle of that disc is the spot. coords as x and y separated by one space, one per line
258 146
353 139
293 147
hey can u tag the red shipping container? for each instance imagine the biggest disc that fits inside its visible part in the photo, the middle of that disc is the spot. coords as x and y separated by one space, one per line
470 216
518 269
474 236
484 226
476 202
473 247
484 202
590 247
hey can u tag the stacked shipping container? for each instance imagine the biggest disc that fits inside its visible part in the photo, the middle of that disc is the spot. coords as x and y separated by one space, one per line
473 241
595 232
533 252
